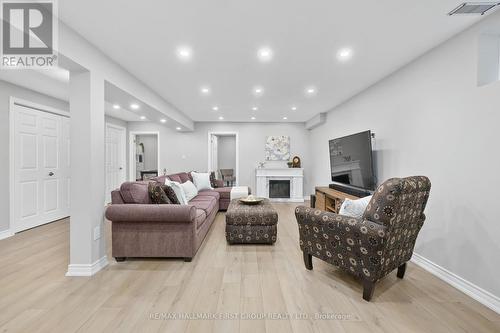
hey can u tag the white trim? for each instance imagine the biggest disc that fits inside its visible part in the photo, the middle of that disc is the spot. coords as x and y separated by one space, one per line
237 173
482 296
6 234
131 149
13 101
87 269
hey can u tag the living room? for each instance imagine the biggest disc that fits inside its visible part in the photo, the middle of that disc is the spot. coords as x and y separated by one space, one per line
249 166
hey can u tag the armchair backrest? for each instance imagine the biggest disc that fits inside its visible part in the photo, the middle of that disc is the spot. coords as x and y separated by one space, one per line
399 202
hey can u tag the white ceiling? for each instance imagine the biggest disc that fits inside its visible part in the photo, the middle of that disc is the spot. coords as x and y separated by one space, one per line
225 35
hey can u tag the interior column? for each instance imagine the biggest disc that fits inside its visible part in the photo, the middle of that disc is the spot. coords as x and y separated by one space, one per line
87 246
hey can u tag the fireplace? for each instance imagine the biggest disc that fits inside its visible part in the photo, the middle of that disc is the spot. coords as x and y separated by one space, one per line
279 189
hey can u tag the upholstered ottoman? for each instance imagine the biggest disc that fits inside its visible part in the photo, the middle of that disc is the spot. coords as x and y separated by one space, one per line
251 224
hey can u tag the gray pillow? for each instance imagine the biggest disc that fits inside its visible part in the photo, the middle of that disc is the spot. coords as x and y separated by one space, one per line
354 208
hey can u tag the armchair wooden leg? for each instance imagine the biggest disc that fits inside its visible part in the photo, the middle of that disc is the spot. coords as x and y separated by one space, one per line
401 271
368 288
308 260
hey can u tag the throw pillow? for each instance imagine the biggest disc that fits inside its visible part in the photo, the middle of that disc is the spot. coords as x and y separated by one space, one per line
169 191
179 192
189 190
212 180
201 181
354 208
157 195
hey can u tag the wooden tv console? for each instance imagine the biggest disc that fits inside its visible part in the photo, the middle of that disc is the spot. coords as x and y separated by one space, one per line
330 200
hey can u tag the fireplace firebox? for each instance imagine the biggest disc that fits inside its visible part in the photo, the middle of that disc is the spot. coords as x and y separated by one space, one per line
279 189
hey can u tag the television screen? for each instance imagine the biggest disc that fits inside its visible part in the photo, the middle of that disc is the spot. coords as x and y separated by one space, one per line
351 160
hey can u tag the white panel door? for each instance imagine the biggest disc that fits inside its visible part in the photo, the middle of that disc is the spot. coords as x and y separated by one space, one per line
41 167
115 159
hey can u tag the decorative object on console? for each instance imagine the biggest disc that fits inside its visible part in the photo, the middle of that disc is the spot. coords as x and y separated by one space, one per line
383 238
277 148
296 162
201 181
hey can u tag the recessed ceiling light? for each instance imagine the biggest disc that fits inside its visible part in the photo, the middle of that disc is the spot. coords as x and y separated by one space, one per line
163 120
178 128
285 118
294 108
184 53
344 54
221 118
205 90
143 118
116 106
258 91
265 54
134 106
310 91
255 108
253 118
215 108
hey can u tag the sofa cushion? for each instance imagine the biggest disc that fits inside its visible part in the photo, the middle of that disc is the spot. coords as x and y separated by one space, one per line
156 194
200 218
169 191
225 192
209 193
175 178
135 192
207 204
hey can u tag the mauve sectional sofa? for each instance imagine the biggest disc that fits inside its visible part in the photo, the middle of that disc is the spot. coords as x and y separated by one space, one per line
143 229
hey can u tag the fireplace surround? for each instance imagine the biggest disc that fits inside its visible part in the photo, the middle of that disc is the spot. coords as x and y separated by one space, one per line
272 183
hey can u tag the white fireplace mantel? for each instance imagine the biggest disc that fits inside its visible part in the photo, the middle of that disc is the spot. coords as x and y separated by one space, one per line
294 175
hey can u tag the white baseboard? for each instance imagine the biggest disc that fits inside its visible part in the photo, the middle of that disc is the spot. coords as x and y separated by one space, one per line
87 269
6 234
482 296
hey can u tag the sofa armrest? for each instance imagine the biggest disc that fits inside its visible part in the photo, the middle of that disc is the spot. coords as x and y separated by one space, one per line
150 213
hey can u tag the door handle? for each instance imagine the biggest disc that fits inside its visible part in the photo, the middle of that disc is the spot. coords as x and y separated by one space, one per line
51 174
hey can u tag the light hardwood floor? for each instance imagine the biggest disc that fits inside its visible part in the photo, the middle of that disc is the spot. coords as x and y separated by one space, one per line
268 281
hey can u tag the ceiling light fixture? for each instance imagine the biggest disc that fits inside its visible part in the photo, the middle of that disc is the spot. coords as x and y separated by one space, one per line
258 91
215 108
344 54
253 118
163 120
221 118
143 118
285 118
184 53
178 128
255 108
116 106
134 106
310 91
265 54
205 90
294 108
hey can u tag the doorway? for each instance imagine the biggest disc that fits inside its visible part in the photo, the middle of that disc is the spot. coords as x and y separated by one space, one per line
39 164
223 156
115 158
144 155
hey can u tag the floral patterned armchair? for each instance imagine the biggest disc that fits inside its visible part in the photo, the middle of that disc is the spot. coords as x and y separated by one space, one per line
374 245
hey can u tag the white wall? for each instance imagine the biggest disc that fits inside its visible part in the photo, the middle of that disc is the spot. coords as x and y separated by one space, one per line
7 90
226 151
189 151
430 118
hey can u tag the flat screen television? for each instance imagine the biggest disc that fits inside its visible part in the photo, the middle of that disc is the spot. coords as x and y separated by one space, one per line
351 161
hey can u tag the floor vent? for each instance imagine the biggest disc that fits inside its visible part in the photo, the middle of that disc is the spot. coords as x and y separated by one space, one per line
474 8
